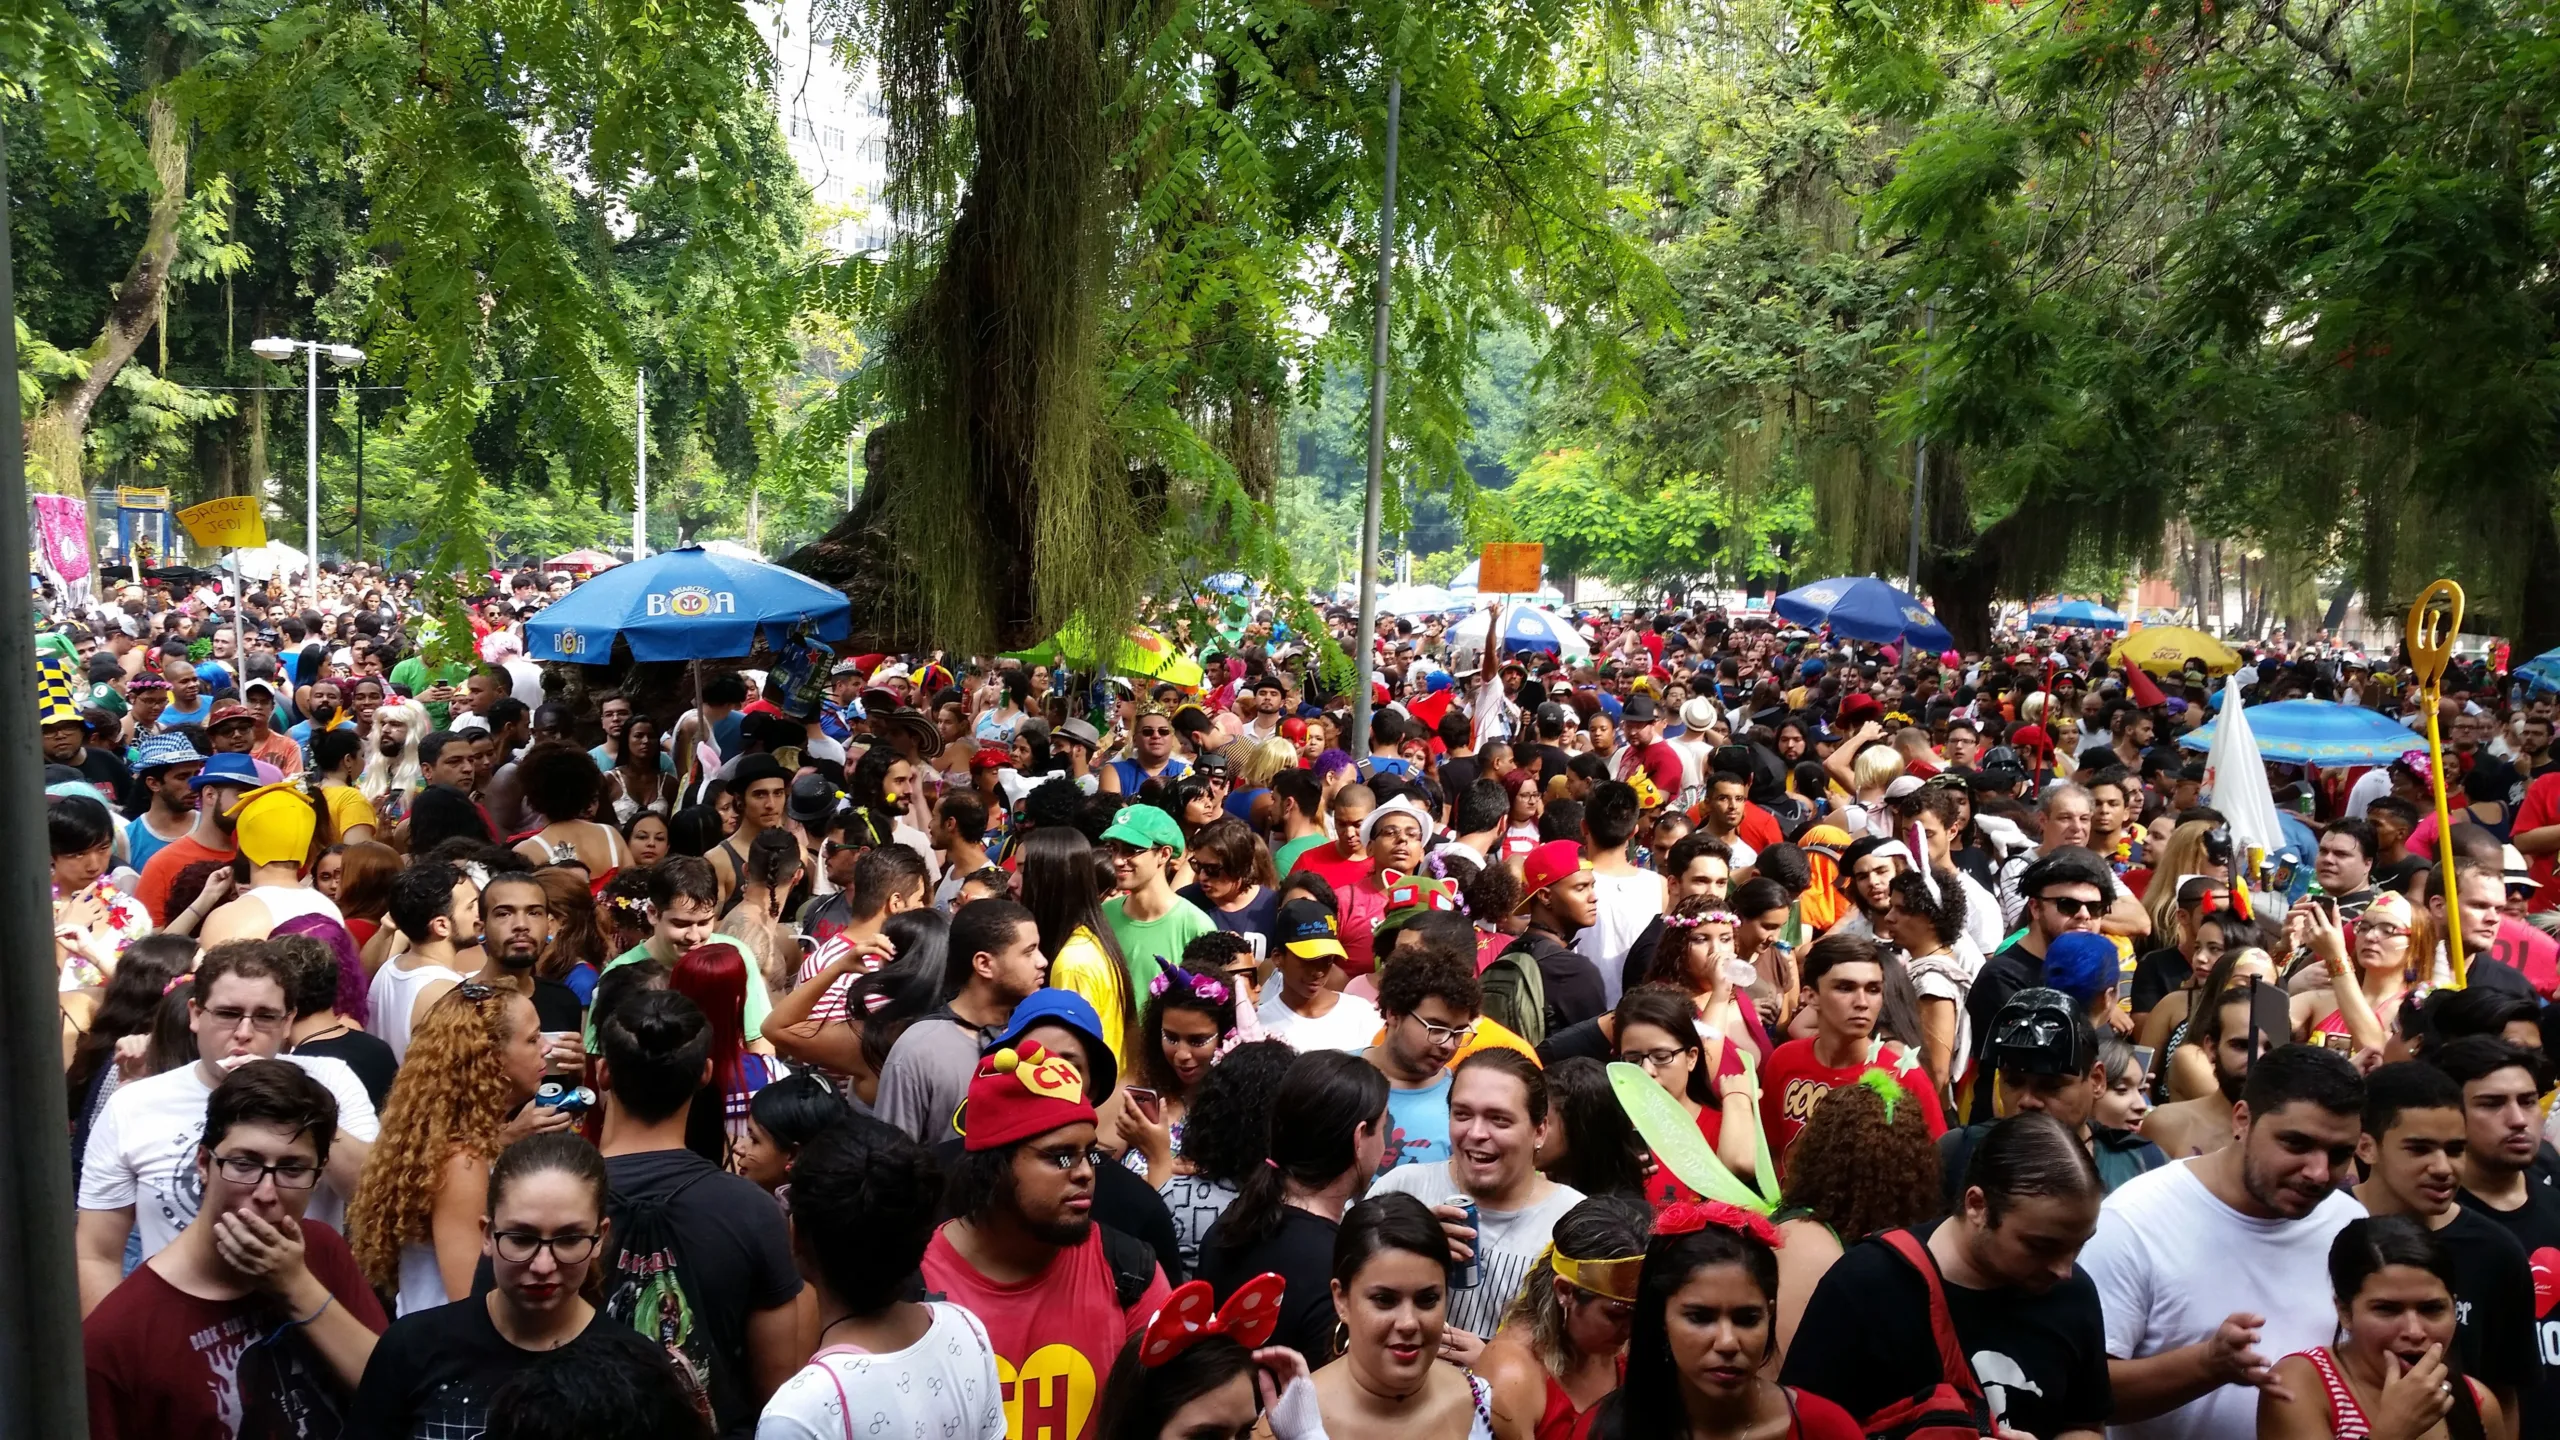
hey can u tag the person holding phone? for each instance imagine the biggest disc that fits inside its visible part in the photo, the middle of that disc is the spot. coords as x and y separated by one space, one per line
1188 1016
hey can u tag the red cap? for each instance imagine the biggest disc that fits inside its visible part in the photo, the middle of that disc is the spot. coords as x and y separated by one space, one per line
1548 864
227 711
1860 708
1293 729
1020 1091
2031 737
991 757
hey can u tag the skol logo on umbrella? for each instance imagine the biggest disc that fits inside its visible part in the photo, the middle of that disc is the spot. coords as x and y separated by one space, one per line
691 602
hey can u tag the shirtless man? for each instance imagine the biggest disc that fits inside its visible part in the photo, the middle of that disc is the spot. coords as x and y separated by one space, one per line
764 792
2251 1020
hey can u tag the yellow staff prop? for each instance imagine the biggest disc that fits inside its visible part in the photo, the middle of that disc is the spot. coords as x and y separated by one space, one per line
2434 620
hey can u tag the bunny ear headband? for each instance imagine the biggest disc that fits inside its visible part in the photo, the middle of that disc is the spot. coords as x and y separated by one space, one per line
1189 1316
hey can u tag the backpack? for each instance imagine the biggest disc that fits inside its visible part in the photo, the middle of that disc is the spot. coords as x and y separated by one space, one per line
1515 993
1952 1409
1133 1265
646 1288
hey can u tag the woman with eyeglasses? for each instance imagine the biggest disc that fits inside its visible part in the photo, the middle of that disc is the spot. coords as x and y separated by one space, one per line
472 1063
1657 1032
1564 1339
2367 988
542 1230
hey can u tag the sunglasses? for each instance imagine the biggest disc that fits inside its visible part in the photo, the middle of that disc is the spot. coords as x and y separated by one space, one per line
2072 906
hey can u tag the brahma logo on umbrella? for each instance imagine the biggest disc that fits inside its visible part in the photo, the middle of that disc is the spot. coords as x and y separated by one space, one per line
1918 616
1819 595
691 602
570 642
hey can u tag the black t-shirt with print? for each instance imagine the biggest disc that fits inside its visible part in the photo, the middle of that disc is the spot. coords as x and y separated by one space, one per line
1865 1344
2535 1226
434 1371
2493 1295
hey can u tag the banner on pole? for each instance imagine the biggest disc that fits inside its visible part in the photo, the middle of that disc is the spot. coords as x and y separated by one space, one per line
234 522
62 536
1512 569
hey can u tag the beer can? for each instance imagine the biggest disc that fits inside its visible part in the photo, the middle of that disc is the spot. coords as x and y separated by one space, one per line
1467 1274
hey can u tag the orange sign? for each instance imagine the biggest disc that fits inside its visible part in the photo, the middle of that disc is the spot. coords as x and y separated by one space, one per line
1510 569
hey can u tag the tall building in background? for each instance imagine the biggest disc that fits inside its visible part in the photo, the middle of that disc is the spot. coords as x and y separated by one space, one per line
836 127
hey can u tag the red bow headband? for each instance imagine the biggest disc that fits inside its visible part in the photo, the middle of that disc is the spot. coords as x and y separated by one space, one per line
1690 1217
1188 1317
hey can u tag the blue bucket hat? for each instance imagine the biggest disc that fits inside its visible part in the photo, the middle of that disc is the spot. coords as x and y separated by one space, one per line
159 752
227 769
1067 1008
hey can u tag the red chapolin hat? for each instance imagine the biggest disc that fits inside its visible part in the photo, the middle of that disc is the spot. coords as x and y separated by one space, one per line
1020 1091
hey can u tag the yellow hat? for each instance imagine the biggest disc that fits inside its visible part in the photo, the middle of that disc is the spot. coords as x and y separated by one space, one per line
275 824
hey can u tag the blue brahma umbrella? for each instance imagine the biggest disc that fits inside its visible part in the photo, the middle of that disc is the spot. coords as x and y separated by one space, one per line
2319 732
1865 608
688 604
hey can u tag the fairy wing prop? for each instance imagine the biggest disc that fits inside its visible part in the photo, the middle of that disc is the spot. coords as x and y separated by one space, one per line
1667 1127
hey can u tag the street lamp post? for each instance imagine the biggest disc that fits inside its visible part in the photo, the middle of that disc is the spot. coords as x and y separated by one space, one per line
342 357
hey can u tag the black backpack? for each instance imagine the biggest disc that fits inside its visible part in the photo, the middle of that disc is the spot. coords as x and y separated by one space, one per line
646 1287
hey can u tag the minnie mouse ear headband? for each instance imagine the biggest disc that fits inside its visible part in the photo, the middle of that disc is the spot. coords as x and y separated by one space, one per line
1191 1315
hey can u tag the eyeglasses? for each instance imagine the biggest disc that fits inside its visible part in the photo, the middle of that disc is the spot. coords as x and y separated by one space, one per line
518 1247
2072 906
1397 832
1653 1059
1445 1034
1203 870
252 1171
232 1017
1065 1160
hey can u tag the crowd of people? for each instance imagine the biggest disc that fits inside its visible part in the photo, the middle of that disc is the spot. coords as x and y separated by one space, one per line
1741 1033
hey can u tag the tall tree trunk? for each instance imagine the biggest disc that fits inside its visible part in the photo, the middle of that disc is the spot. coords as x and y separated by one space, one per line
2537 624
54 437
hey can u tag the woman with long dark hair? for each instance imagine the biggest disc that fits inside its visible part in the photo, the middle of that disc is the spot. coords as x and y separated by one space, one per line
1703 1334
1188 1015
880 1005
1590 1144
1390 1293
641 782
130 1006
1657 1032
1328 1134
2392 1373
1061 889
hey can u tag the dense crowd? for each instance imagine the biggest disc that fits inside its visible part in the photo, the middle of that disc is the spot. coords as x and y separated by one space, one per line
1738 1033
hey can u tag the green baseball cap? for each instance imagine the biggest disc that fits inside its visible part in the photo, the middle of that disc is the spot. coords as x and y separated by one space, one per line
1146 827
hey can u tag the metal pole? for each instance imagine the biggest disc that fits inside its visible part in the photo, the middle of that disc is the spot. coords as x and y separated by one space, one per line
311 474
848 472
1920 465
1377 429
357 410
640 448
40 1363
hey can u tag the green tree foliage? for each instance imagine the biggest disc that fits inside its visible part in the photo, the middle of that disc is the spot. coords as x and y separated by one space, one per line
2285 269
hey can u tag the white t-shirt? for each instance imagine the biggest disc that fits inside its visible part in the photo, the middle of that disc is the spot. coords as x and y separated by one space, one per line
1350 1025
2171 1262
943 1387
1624 905
1508 1242
2370 786
1981 914
142 1151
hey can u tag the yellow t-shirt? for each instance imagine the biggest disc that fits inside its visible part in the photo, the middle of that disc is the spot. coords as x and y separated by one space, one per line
1083 966
348 808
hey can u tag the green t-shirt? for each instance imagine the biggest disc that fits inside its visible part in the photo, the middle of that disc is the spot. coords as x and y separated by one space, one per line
759 1004
1288 854
411 675
1154 946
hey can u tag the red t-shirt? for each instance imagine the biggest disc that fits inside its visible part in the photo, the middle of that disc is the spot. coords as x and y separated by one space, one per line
166 1365
1055 1335
1660 762
162 871
1820 1419
1759 829
2541 807
1326 861
1793 1082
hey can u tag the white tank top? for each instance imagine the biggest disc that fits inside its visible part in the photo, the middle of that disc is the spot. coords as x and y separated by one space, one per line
421 1283
393 999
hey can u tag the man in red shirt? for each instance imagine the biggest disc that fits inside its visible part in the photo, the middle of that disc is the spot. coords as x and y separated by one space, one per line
1347 859
1059 1294
1845 974
1646 749
218 786
254 1321
2537 834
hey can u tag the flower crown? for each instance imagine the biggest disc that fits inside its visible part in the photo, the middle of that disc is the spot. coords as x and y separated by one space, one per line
1703 917
1690 1217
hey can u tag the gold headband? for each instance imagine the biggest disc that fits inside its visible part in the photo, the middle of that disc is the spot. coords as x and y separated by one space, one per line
1615 1278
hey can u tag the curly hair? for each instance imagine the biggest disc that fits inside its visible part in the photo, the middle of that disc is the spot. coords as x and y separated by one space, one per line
1944 911
559 780
1229 1130
451 1095
1182 992
1860 1173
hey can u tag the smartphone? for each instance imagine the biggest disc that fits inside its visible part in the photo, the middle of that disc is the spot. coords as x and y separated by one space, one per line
1149 1103
2343 1044
2143 1055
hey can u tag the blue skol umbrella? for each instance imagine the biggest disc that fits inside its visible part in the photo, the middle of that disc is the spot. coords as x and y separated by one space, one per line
2319 732
688 604
2077 615
1229 582
1865 608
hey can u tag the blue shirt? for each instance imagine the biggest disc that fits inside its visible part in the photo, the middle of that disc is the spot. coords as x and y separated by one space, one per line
1418 1124
140 843
173 717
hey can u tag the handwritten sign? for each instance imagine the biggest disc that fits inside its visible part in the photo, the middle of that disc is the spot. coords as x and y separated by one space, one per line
1511 569
233 522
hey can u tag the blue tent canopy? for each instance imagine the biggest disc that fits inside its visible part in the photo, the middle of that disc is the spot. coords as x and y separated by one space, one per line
2077 615
2319 732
